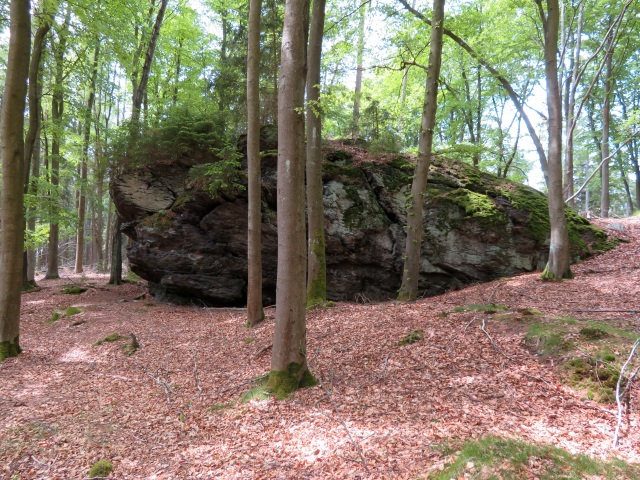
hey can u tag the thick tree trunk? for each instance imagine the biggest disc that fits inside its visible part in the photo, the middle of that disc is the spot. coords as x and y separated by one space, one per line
12 196
255 312
558 264
411 271
82 201
289 360
316 257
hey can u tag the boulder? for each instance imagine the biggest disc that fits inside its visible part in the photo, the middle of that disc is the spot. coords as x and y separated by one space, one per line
477 227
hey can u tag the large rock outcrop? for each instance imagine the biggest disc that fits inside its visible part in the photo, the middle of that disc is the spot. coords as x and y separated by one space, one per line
477 227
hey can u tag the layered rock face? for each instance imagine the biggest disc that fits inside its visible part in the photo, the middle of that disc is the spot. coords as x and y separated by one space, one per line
477 227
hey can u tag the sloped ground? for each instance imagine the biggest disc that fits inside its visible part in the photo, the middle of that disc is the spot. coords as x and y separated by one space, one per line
171 410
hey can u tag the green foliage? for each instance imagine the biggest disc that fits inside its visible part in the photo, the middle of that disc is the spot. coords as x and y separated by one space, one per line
494 457
113 337
70 311
74 290
546 339
223 176
102 468
412 337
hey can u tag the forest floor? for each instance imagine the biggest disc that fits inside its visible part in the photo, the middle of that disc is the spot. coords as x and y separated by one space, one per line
172 410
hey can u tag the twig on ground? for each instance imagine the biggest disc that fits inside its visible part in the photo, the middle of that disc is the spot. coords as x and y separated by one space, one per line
446 345
493 343
384 367
619 393
195 372
338 417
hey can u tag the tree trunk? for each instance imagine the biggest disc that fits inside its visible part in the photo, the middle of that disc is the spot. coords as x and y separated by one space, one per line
558 264
82 201
316 257
57 110
12 196
115 273
411 271
255 313
289 361
146 68
355 131
31 156
571 107
606 117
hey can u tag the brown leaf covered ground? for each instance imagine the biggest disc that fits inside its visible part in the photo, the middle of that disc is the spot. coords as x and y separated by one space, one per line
381 410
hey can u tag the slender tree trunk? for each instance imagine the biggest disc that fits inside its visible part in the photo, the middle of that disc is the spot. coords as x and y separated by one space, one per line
12 196
316 257
355 131
57 111
411 271
146 68
32 137
559 261
82 201
31 217
255 313
606 117
289 360
115 274
571 107
503 81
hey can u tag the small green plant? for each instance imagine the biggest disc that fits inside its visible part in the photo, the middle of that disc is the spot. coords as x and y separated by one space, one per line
546 339
529 312
256 393
102 468
114 337
70 311
317 305
412 337
248 340
223 176
55 316
593 333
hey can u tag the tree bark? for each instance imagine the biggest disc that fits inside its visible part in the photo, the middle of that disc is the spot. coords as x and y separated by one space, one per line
82 201
571 107
255 312
558 264
31 140
141 89
355 131
12 196
57 110
316 257
606 117
411 271
289 360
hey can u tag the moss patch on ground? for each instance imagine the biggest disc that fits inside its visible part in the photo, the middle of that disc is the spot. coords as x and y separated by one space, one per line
100 469
588 354
495 457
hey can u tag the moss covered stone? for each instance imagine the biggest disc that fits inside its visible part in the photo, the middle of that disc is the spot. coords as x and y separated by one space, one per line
70 311
74 290
114 337
102 468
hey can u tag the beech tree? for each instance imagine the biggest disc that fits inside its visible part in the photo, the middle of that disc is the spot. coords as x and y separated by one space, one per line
559 260
316 256
12 196
255 312
289 369
411 271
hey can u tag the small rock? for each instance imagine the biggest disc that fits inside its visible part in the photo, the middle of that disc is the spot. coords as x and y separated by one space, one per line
616 226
